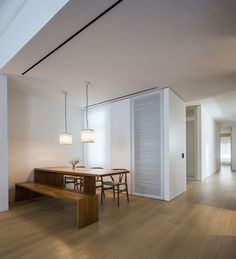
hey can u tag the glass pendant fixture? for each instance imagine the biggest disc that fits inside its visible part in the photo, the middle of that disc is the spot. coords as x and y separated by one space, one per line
87 134
65 137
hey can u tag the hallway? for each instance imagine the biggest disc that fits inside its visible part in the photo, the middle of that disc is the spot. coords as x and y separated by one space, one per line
218 190
198 224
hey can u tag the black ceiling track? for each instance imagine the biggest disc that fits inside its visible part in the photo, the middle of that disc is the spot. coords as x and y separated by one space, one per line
74 35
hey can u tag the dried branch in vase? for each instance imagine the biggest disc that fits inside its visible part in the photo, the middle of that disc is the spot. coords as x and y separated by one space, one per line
74 162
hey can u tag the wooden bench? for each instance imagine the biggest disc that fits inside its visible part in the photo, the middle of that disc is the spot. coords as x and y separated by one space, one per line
87 205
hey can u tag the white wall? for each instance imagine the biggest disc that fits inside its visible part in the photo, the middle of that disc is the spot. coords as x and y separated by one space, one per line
210 143
112 129
32 16
99 153
174 145
199 144
35 123
233 145
120 136
3 145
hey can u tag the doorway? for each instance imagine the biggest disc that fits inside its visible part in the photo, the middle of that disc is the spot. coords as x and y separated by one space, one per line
191 142
225 149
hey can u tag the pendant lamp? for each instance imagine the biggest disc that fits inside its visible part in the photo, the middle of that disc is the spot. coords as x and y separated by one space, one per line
87 134
65 137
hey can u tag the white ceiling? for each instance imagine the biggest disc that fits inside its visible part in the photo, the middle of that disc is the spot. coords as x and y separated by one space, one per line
188 45
222 108
8 10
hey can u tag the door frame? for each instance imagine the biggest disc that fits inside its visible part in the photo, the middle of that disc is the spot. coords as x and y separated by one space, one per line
229 135
196 136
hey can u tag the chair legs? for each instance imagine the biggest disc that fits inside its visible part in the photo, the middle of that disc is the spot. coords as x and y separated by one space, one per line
127 192
119 191
101 197
75 187
78 185
114 195
115 187
118 195
102 194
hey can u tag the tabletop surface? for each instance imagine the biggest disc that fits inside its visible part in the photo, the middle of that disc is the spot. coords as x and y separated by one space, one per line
82 171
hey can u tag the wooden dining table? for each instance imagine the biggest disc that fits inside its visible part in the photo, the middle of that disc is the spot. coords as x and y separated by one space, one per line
49 181
55 176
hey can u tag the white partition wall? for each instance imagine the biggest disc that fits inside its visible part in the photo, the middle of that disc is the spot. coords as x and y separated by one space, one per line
3 145
233 143
210 144
147 134
174 145
120 136
159 145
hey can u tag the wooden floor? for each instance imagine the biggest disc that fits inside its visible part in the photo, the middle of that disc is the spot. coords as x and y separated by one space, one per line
199 224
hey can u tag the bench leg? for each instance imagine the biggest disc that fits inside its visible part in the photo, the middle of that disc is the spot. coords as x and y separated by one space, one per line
87 211
24 194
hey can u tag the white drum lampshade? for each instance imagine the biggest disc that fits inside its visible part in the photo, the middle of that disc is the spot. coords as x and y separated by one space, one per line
88 136
65 139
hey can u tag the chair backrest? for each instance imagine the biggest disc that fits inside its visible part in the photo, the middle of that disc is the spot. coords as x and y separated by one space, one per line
121 176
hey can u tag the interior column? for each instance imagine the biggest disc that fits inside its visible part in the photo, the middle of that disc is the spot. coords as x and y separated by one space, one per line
4 203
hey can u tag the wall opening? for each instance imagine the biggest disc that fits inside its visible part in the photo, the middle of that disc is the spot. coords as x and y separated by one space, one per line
191 142
225 150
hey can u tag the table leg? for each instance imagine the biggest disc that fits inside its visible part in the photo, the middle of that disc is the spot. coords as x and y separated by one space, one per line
87 211
89 185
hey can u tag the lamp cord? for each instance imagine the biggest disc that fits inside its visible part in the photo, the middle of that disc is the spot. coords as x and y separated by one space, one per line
65 112
87 84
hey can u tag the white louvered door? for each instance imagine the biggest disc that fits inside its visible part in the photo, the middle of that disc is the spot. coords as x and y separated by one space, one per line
147 145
